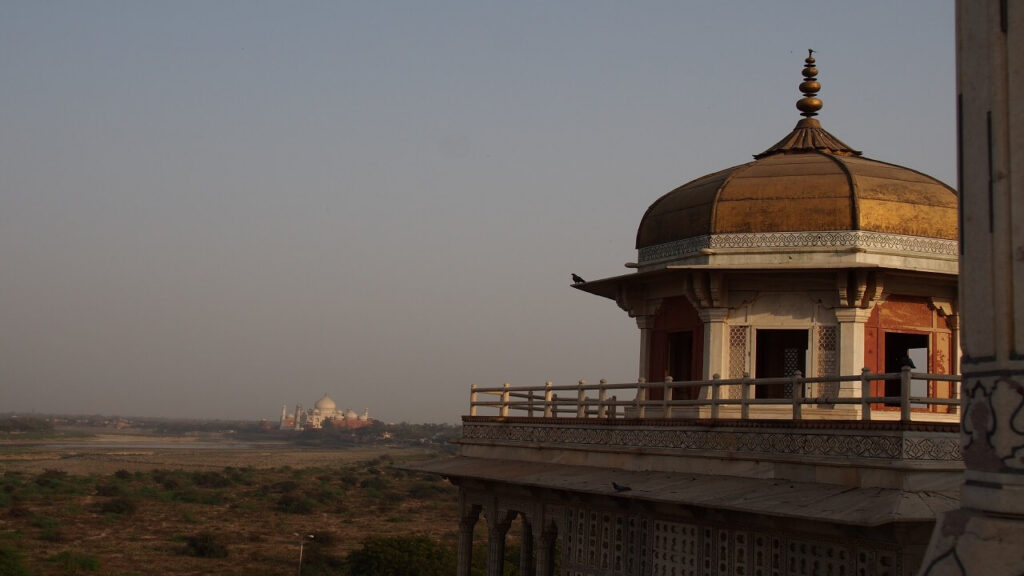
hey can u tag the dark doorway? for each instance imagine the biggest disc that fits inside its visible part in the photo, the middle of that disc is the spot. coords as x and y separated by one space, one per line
904 350
680 363
780 353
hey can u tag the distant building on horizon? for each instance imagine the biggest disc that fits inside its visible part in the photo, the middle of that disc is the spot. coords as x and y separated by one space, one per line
323 414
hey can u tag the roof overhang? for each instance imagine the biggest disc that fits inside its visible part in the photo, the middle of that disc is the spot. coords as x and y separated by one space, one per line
774 497
612 287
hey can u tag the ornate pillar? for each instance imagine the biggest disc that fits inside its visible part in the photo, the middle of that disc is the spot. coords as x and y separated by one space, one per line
498 523
851 346
986 535
716 342
645 324
546 543
526 564
468 516
953 321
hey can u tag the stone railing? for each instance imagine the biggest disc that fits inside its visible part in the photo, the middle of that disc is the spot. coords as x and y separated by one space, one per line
836 397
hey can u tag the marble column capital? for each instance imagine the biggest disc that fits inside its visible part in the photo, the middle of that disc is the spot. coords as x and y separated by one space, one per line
854 315
645 322
713 314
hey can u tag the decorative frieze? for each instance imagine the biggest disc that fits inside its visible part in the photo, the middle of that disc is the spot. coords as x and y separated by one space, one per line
823 239
762 443
697 548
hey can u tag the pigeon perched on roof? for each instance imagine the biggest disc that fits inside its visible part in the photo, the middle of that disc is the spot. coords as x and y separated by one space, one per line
620 487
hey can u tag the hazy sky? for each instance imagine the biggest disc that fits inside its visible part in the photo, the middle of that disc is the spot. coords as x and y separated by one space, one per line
213 208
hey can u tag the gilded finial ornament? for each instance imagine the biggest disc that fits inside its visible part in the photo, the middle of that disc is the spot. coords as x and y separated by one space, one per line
808 135
809 104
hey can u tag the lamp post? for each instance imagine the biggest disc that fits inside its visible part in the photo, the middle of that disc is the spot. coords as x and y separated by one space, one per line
302 542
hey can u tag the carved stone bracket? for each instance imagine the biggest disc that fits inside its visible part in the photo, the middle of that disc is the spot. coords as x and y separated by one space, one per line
943 305
709 289
859 288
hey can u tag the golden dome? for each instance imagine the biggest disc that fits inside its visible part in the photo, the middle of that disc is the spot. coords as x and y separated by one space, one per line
809 181
810 191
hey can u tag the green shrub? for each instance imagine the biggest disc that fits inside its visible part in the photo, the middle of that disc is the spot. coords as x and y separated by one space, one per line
194 496
58 482
422 490
49 528
169 479
284 486
11 562
374 483
401 556
239 475
110 489
318 561
123 474
210 479
205 545
120 505
75 562
295 504
51 478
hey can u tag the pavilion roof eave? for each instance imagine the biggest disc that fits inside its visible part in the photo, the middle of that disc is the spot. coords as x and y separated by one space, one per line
774 496
610 287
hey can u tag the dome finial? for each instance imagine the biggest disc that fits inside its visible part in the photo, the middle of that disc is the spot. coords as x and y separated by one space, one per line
809 104
808 135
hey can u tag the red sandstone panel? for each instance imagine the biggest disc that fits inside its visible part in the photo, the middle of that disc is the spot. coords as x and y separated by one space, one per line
899 314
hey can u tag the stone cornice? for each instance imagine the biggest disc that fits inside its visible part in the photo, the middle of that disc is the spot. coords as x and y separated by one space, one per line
833 239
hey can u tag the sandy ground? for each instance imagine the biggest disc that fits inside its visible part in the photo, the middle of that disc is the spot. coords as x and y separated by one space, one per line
262 540
107 453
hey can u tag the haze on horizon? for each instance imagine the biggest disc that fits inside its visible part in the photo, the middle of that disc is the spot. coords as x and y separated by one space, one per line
209 209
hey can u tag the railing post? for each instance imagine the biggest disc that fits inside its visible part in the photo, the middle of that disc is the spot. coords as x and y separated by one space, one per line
547 399
504 401
581 400
715 395
745 397
615 408
554 405
472 400
529 403
641 397
666 399
798 394
905 394
865 393
602 408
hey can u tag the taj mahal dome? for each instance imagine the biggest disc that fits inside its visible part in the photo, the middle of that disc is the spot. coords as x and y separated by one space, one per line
324 413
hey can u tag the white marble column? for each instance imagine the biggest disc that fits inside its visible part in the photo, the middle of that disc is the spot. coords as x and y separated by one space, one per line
985 536
851 347
716 342
646 325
